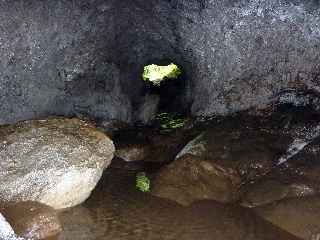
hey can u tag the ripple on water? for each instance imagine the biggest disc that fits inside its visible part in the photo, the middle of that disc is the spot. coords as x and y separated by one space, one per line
117 211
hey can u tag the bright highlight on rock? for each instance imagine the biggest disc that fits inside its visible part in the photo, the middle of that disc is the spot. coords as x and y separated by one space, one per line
156 74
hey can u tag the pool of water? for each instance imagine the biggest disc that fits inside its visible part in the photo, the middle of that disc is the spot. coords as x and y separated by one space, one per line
116 210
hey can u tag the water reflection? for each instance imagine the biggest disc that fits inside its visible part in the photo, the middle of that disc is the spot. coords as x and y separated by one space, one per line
117 211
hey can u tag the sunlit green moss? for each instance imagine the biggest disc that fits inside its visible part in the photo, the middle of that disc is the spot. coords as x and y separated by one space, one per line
169 122
142 182
156 74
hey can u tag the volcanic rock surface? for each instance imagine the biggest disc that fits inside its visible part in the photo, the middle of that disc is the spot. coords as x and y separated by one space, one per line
85 58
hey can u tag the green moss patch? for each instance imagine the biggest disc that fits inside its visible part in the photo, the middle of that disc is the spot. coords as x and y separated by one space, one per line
169 122
142 182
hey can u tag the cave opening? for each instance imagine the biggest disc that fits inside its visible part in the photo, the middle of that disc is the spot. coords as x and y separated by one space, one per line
166 80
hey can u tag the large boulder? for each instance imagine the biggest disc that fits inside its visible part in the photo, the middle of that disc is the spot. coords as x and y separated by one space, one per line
32 220
299 216
191 178
55 161
239 150
218 161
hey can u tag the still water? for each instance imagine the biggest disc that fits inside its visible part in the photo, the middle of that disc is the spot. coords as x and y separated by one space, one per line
118 211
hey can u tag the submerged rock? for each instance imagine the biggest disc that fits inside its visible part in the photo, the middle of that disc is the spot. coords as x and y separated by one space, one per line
299 216
32 220
55 161
116 210
267 191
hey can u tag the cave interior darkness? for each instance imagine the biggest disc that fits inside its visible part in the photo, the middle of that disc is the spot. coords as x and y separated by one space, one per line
237 130
170 91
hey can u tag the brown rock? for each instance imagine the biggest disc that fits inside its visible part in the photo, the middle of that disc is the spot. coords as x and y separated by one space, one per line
191 178
32 220
150 146
218 161
299 216
134 152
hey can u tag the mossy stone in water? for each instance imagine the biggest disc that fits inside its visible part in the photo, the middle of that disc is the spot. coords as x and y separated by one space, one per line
142 182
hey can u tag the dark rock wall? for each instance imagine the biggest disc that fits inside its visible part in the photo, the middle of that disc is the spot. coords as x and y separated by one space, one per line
86 57
57 58
244 53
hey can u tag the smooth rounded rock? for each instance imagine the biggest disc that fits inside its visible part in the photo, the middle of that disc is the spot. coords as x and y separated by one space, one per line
57 162
32 220
191 178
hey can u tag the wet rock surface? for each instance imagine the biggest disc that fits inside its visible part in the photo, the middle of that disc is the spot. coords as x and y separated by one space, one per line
85 59
191 178
32 220
306 163
116 210
237 151
299 216
271 189
249 160
150 145
55 161
297 177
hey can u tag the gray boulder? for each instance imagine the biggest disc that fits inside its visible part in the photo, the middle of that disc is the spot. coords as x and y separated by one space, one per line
56 161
